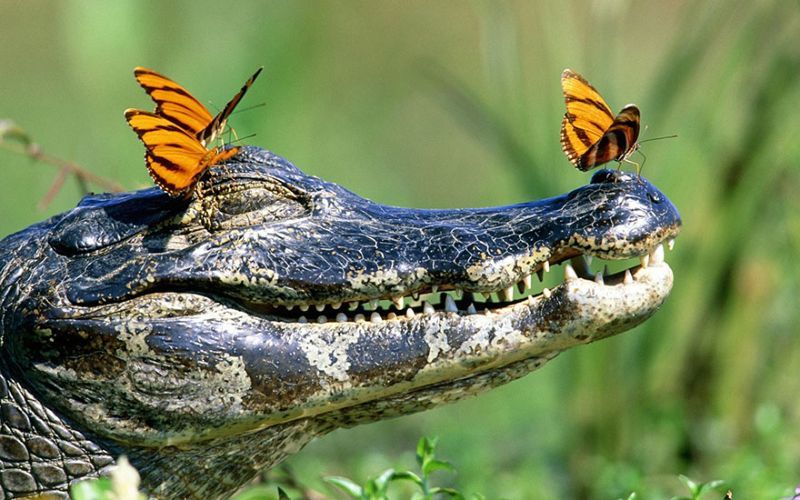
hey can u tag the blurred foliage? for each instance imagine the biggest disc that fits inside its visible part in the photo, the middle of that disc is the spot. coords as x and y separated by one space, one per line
397 100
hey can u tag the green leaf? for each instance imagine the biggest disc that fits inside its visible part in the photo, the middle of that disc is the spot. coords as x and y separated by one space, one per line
451 492
345 484
689 483
385 478
92 489
698 489
425 449
434 465
714 484
711 485
407 476
373 490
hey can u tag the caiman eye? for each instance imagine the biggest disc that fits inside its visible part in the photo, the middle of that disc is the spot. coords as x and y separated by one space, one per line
240 206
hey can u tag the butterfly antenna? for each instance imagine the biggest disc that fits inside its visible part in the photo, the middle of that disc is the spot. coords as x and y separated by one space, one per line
232 131
240 139
254 106
659 138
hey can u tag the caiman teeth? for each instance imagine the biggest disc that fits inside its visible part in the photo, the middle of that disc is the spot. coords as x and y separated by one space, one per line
456 300
581 266
569 272
657 256
524 284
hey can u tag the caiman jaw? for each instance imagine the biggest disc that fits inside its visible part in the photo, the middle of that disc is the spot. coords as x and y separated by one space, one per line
577 270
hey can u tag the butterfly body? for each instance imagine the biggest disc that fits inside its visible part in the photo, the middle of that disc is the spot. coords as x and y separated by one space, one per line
177 134
590 133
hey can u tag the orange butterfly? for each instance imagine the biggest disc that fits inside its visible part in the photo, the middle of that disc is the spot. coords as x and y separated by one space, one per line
176 135
590 133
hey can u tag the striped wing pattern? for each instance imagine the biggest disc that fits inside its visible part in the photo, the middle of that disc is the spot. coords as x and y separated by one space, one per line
590 133
177 133
174 157
173 101
177 104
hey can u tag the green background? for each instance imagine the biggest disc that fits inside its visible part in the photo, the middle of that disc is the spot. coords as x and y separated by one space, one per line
457 103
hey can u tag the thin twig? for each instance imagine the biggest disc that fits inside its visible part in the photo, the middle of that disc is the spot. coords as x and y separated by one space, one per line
55 187
35 152
22 145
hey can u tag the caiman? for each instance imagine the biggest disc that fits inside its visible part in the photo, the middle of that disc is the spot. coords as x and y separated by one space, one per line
207 339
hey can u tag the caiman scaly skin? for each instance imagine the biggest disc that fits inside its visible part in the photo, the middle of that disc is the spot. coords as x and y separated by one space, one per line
207 339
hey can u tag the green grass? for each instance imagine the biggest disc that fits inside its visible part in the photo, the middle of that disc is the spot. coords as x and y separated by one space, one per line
395 100
390 483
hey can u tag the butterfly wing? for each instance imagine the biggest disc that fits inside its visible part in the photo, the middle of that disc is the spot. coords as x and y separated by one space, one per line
616 143
175 158
217 125
173 101
590 133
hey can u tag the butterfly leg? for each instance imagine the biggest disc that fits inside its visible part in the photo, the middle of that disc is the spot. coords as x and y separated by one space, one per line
639 167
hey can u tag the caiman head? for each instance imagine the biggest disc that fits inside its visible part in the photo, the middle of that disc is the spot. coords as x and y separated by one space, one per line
209 338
